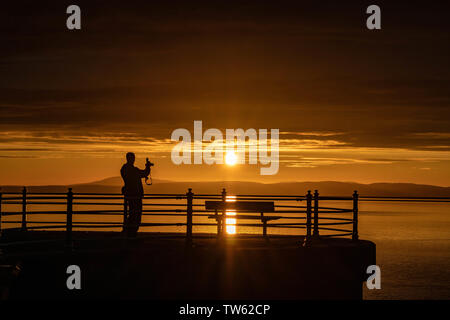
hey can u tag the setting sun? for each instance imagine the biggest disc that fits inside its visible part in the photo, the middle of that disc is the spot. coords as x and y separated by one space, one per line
231 158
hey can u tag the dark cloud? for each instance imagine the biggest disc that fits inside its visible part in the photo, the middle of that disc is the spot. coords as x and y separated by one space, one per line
149 67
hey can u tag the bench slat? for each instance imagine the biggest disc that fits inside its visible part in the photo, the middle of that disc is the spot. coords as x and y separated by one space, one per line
249 206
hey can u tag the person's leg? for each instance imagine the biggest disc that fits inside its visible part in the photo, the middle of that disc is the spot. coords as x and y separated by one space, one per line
133 217
138 214
127 218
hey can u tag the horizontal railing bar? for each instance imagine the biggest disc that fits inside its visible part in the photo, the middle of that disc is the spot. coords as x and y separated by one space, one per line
257 199
47 198
334 229
97 203
398 197
63 223
336 211
155 213
44 193
36 193
270 196
168 210
331 208
287 206
286 211
251 211
336 235
405 200
90 211
96 194
206 198
254 225
149 224
283 217
286 226
234 224
164 210
105 213
32 202
11 213
199 195
177 197
172 204
333 218
238 195
168 205
95 226
96 198
40 227
149 213
334 223
334 198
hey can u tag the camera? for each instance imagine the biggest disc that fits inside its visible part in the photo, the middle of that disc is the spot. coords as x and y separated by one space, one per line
151 164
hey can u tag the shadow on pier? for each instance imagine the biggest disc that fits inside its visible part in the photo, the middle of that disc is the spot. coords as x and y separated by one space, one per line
160 266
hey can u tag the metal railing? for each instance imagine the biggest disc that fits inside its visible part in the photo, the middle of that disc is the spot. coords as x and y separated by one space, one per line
188 208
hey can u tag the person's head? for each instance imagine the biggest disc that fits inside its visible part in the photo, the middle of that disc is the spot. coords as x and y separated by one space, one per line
130 157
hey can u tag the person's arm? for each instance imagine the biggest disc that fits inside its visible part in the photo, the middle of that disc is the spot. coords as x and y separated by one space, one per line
122 173
145 173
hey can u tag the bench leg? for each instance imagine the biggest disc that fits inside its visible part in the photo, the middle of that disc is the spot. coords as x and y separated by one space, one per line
265 228
219 227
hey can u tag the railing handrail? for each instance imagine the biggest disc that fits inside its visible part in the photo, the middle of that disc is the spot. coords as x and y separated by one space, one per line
312 211
119 195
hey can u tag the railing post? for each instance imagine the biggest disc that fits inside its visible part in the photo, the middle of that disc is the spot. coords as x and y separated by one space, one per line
218 223
189 197
24 209
308 216
264 221
355 216
69 218
316 214
222 225
0 212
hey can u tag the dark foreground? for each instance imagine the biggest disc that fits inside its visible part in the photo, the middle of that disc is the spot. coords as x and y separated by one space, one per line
161 266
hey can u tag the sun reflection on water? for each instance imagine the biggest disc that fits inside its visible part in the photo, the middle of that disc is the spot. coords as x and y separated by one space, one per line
230 222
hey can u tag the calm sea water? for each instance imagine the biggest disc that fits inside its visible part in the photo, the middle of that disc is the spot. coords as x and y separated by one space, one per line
413 248
413 242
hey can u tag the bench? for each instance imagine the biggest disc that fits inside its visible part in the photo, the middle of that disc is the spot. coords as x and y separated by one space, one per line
260 207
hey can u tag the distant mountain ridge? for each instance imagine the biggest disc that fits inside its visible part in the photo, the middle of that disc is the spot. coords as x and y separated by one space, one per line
114 184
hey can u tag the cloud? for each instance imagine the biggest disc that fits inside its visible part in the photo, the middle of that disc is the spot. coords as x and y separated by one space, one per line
133 74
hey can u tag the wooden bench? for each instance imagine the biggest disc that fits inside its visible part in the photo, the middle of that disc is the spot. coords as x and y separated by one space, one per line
260 207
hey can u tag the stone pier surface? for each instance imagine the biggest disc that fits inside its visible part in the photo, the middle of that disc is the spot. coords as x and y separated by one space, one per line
162 266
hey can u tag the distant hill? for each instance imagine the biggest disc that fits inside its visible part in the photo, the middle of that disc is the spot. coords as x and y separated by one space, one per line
114 184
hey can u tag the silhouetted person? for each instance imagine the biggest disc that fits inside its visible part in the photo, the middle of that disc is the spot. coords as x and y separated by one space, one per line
133 192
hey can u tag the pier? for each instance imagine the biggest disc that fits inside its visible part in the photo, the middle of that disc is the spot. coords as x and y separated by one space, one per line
191 246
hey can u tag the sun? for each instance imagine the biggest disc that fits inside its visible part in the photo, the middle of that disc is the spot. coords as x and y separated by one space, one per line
231 158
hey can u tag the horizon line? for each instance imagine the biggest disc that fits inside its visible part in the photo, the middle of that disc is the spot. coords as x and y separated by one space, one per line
224 181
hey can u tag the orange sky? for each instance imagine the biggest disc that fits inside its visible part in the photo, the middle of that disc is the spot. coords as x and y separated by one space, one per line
350 104
36 161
